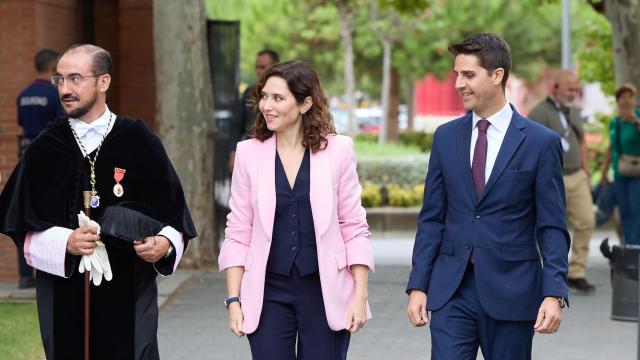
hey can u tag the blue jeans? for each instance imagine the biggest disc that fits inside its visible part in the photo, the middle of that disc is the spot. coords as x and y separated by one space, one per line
628 198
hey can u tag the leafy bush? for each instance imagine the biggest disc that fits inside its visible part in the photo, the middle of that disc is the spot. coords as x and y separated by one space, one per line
418 139
418 193
403 171
421 139
398 196
374 195
597 148
371 196
391 174
367 137
367 150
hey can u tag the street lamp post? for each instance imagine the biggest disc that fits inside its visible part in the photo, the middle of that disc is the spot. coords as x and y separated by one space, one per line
566 35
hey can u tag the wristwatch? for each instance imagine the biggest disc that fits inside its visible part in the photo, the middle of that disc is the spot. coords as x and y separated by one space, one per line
170 250
231 300
562 302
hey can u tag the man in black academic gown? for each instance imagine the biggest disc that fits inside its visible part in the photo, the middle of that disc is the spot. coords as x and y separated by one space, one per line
39 209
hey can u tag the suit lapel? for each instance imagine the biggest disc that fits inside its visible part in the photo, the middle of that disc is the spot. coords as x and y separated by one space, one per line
463 147
512 140
267 184
321 189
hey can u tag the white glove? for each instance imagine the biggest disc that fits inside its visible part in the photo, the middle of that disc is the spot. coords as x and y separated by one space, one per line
98 262
85 261
100 254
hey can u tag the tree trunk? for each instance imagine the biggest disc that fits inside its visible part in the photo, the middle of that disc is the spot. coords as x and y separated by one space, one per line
394 104
409 92
185 111
624 16
386 85
346 29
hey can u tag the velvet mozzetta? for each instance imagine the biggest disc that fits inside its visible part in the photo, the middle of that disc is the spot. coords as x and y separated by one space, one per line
45 190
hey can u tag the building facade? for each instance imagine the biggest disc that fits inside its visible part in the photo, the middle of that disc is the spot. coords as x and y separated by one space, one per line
123 27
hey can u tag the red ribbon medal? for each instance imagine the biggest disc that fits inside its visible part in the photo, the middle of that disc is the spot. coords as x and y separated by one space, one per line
118 175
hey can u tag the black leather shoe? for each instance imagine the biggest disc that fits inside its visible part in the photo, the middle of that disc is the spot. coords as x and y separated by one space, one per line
581 284
27 282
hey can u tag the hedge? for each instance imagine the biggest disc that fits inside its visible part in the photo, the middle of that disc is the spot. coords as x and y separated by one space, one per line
392 182
405 171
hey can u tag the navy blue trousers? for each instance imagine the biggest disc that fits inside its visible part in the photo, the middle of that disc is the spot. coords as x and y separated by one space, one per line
461 326
293 307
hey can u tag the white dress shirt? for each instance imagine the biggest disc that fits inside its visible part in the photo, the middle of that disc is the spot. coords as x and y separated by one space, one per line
46 250
495 135
91 135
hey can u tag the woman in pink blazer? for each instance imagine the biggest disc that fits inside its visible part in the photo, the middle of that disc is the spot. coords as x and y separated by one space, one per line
296 249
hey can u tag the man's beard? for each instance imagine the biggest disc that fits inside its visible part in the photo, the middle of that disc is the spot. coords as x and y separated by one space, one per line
568 102
82 110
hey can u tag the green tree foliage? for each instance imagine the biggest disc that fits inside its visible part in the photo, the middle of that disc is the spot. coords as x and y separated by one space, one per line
407 7
304 30
310 30
531 28
595 51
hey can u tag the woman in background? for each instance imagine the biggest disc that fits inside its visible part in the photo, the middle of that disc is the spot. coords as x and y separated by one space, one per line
624 133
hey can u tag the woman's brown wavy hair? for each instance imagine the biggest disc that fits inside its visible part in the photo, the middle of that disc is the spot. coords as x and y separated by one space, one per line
302 81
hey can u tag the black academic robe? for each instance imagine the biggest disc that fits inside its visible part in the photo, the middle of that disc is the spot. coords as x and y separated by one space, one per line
45 190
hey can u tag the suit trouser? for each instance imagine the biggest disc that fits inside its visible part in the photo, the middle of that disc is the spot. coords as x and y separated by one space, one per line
461 326
293 306
581 219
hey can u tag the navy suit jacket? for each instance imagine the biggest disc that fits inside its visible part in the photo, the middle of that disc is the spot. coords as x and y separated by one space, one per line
517 229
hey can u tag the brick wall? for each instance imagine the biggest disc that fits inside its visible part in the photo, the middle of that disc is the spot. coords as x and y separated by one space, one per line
56 24
123 27
17 36
136 61
25 27
106 36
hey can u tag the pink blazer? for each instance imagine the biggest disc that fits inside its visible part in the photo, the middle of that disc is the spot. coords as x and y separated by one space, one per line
342 232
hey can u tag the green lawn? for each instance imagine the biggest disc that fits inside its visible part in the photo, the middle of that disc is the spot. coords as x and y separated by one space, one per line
368 149
19 332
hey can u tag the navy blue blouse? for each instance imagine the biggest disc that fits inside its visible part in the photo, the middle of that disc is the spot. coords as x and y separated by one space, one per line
294 238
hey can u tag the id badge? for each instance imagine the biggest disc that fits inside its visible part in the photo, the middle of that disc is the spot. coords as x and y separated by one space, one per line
565 145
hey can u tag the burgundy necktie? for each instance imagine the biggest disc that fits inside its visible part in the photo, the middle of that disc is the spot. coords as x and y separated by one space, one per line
480 157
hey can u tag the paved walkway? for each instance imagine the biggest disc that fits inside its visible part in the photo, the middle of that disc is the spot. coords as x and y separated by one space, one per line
194 323
167 287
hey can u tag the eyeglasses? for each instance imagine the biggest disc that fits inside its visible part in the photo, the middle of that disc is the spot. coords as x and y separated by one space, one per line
73 79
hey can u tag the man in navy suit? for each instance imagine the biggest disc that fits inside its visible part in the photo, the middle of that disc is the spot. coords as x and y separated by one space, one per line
491 249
